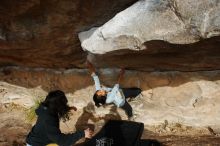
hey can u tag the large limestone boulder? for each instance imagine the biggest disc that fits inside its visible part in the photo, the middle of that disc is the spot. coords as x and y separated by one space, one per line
158 35
174 21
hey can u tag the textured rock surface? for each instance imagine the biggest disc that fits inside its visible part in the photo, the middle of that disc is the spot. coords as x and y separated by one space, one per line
163 34
14 129
186 98
174 21
43 33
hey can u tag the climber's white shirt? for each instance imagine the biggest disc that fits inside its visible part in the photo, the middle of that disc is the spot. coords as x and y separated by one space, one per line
114 95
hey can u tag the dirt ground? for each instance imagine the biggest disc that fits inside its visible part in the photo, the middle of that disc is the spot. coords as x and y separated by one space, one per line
14 128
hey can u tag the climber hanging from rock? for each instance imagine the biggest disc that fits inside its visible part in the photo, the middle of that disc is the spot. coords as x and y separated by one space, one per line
116 95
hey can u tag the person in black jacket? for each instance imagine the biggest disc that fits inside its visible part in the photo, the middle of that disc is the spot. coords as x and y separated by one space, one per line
46 130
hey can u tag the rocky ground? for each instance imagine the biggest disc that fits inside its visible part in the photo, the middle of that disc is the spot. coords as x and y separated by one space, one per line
14 127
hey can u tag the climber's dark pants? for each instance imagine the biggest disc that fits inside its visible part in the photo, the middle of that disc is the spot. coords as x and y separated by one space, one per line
129 93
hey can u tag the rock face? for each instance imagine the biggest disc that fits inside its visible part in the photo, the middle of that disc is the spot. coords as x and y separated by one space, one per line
41 36
45 34
174 21
40 33
186 98
163 35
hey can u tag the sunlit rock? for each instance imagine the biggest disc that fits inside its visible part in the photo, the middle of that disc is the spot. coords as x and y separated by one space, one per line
173 21
190 98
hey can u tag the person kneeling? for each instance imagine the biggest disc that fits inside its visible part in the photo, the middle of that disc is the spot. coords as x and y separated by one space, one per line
46 130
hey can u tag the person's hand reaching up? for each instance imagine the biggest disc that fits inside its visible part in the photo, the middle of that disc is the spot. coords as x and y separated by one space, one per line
90 66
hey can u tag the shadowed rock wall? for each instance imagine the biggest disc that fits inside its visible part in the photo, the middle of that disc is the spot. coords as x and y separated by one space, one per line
43 33
163 56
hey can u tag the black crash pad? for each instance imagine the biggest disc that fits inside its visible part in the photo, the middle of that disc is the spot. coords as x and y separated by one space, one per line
118 133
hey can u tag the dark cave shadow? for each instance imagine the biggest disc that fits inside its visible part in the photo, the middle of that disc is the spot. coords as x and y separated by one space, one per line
162 56
184 58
